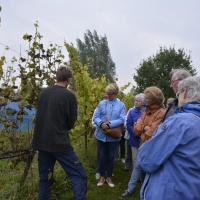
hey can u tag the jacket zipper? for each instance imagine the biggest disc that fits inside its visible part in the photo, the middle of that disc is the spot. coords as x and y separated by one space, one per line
145 188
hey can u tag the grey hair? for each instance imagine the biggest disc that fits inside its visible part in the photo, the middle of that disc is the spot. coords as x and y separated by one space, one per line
192 84
180 73
141 96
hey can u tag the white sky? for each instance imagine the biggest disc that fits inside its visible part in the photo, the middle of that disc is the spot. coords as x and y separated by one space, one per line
135 29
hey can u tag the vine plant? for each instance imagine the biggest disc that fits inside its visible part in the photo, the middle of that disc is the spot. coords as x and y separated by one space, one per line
23 84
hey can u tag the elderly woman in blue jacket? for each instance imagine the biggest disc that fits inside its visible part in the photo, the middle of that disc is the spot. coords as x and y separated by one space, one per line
171 158
109 114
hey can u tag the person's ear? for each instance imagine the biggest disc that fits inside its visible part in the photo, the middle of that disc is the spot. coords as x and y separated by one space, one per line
185 94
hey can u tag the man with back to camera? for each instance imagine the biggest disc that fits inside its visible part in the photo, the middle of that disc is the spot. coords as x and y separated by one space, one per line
176 76
56 115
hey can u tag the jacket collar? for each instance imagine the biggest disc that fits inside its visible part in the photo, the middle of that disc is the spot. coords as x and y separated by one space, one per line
152 109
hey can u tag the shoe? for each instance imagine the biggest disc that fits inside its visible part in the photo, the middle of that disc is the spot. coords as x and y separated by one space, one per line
126 169
97 176
110 184
100 183
123 160
126 194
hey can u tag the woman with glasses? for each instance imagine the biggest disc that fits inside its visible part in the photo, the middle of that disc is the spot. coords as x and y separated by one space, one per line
133 115
97 175
171 158
108 114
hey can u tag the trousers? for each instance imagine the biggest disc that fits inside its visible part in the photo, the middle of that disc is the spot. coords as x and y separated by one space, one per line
73 168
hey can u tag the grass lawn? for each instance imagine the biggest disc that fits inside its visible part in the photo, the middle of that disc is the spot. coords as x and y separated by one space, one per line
61 190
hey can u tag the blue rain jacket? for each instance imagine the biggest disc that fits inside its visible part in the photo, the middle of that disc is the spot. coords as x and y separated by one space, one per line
132 117
171 158
114 111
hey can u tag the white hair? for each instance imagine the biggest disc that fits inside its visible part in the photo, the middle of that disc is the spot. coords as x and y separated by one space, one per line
141 96
192 85
180 73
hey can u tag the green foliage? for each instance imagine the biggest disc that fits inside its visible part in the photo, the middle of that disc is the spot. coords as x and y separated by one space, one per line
128 100
88 91
2 61
62 187
95 53
36 70
155 70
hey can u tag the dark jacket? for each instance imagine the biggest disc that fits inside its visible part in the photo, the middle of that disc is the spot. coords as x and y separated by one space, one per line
171 108
56 114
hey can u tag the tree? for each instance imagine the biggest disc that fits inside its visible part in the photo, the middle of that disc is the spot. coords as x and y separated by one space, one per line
95 53
155 70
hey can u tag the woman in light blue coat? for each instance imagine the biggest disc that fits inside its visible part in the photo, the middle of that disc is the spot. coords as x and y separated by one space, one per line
108 114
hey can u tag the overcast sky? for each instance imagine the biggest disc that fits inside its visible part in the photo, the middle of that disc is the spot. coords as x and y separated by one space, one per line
135 29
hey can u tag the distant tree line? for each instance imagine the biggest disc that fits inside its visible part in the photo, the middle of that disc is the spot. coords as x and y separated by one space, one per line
153 71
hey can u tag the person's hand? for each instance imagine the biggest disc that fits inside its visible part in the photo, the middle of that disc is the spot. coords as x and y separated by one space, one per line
139 121
146 128
104 126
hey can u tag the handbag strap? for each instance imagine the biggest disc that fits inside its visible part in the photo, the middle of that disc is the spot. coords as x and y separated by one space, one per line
106 113
106 120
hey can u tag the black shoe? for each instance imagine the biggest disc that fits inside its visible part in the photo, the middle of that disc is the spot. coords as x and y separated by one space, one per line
126 194
126 169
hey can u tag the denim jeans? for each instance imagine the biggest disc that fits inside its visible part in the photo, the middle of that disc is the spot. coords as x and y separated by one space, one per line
98 167
128 162
134 154
122 145
120 148
134 177
106 157
73 168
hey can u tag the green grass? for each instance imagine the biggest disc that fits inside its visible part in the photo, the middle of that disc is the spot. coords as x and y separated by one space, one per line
61 190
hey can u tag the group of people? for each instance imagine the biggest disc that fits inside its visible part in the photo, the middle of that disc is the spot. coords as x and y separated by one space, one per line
163 141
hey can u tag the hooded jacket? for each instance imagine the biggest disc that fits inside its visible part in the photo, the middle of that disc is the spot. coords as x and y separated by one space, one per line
173 166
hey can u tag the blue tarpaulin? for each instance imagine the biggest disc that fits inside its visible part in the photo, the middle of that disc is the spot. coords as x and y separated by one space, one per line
27 119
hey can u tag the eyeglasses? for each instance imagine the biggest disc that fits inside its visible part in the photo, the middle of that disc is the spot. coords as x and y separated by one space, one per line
177 94
110 94
137 101
172 82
